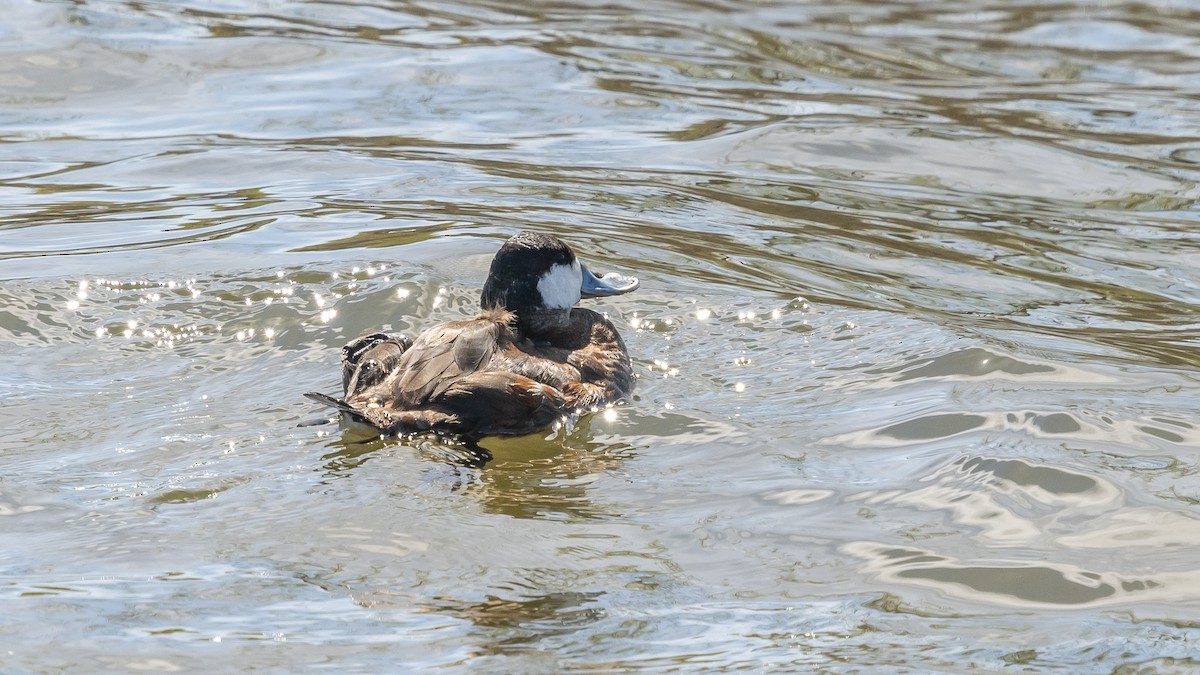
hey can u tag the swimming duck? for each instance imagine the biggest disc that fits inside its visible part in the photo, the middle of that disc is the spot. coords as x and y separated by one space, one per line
528 358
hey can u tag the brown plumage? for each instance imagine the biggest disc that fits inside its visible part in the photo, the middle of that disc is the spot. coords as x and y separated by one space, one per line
523 362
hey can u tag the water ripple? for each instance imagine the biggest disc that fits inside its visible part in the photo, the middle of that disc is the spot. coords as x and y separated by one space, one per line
915 344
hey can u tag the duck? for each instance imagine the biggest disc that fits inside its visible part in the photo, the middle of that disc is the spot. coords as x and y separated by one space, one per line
528 358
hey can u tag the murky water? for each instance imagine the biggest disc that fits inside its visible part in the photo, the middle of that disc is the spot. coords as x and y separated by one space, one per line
917 339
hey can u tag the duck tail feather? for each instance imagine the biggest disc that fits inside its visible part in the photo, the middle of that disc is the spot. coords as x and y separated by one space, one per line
330 401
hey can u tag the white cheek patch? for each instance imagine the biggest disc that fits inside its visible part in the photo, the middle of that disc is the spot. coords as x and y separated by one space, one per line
560 286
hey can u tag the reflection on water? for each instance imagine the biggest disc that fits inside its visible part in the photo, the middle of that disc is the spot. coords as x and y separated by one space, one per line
516 627
1017 507
916 344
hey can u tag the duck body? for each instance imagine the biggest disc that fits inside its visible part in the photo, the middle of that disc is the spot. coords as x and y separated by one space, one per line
528 358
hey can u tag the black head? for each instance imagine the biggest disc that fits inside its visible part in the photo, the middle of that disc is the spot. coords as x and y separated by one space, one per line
538 278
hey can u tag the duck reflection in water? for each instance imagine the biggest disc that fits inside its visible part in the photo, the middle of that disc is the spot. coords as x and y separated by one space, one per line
531 479
529 358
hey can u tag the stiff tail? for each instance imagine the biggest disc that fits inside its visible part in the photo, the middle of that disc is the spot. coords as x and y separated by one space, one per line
379 419
332 402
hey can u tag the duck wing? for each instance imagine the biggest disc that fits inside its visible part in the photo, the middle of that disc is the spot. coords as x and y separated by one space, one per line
442 356
401 385
493 402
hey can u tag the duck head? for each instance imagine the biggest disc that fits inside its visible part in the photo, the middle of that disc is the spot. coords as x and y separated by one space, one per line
538 278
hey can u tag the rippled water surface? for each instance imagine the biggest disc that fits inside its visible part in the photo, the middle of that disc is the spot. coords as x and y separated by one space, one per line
917 339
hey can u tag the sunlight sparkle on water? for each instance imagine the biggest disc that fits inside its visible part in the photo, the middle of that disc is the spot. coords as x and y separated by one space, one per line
739 387
610 414
703 314
667 368
403 293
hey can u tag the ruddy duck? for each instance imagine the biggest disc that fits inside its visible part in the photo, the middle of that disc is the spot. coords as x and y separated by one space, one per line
527 359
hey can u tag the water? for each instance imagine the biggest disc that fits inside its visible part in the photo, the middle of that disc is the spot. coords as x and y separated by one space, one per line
917 337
